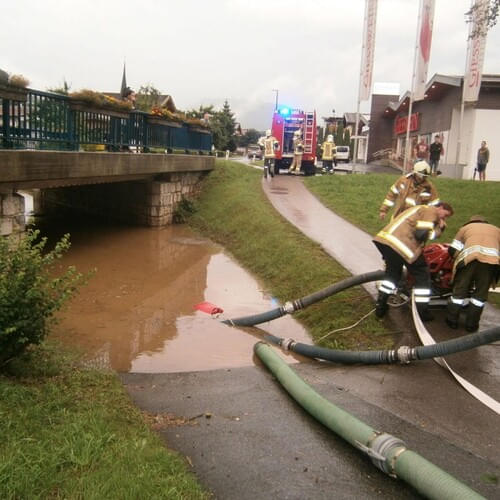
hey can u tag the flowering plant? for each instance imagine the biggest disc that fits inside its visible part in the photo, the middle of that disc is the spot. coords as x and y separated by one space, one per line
18 81
99 100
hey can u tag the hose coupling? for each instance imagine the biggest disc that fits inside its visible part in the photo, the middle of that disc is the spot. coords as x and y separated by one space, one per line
405 354
288 307
287 344
381 452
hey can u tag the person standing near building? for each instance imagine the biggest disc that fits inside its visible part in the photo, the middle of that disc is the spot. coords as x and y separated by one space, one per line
271 145
401 243
410 190
422 152
328 155
435 151
298 151
476 248
483 157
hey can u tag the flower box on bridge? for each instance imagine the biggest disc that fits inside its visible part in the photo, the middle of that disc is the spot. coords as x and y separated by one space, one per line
13 93
77 105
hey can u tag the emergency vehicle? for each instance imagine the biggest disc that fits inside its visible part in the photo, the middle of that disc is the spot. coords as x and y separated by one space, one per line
285 122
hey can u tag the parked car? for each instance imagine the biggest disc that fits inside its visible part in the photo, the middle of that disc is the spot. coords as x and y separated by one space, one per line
343 153
254 150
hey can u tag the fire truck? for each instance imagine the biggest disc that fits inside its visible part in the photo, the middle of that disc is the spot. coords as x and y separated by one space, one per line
285 122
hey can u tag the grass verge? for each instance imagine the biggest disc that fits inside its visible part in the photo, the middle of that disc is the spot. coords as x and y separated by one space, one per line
71 432
357 198
234 211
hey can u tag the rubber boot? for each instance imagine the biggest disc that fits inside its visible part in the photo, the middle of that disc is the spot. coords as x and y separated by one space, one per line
381 306
472 318
452 313
423 311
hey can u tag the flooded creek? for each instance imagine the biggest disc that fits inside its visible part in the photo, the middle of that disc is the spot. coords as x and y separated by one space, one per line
137 314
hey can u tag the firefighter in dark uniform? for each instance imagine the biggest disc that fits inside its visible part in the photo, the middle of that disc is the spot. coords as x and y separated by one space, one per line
401 243
410 190
476 248
271 145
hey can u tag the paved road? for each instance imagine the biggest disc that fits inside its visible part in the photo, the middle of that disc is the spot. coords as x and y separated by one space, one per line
247 439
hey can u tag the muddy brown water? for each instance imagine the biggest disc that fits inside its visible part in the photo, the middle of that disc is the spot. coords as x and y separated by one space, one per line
137 312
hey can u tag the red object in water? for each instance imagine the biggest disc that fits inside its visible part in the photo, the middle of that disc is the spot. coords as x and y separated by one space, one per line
209 308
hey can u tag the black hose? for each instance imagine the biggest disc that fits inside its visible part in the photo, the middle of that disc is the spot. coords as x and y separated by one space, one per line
289 307
402 355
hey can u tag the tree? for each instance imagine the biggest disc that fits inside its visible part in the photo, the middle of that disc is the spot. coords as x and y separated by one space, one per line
485 20
251 136
223 125
147 97
339 135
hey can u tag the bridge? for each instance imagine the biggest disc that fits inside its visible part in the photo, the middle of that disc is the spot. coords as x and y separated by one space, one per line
125 164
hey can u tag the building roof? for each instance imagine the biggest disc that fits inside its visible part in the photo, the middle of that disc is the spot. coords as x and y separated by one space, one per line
436 87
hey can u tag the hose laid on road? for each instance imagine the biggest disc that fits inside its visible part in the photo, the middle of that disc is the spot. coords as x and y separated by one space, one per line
403 354
387 452
292 306
429 343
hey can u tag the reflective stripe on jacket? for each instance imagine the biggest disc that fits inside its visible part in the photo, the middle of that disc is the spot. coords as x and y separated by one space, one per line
406 193
477 241
270 146
399 234
329 149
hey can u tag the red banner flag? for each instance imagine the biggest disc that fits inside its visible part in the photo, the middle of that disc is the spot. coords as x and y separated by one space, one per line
423 49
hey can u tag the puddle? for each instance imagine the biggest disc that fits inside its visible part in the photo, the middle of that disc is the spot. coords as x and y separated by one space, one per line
137 313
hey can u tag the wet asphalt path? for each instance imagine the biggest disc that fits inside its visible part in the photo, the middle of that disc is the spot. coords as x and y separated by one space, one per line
247 439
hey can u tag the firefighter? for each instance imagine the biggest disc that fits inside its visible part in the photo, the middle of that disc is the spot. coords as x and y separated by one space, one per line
476 249
401 243
271 145
329 151
410 190
298 151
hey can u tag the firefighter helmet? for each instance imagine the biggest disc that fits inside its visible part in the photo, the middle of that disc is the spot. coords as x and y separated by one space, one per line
297 133
329 138
268 133
422 168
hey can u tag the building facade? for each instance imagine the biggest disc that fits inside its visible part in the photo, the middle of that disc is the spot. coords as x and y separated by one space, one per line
439 113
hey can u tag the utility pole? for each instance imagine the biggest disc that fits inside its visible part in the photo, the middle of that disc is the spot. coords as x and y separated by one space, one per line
276 103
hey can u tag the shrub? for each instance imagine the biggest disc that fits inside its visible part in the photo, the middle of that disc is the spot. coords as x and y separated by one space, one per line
29 292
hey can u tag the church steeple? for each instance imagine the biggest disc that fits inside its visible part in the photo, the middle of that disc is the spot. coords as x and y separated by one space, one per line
124 81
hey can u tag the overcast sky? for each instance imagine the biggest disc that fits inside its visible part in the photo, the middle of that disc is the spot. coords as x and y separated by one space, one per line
205 51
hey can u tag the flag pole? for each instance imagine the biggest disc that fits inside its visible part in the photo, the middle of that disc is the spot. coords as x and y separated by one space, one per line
363 48
407 142
461 120
365 67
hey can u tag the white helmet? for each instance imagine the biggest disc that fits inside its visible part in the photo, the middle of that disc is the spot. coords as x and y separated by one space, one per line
297 133
329 138
422 168
268 133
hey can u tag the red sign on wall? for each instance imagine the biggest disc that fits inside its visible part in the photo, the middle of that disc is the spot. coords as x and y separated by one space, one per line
402 121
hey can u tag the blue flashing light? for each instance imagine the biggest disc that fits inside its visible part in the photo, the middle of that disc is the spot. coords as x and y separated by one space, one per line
284 111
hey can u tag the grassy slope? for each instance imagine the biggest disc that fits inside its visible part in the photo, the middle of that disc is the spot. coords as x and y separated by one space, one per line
234 211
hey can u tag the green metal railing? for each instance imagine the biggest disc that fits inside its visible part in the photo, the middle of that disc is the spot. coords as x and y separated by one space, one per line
43 120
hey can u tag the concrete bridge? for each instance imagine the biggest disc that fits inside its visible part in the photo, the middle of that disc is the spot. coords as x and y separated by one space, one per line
142 188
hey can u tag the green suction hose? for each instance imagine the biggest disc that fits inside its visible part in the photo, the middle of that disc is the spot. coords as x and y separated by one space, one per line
387 452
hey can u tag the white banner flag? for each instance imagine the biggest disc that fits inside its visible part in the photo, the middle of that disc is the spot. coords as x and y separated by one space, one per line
365 75
475 51
423 49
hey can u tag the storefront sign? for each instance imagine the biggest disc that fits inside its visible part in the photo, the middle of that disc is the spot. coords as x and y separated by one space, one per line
402 122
